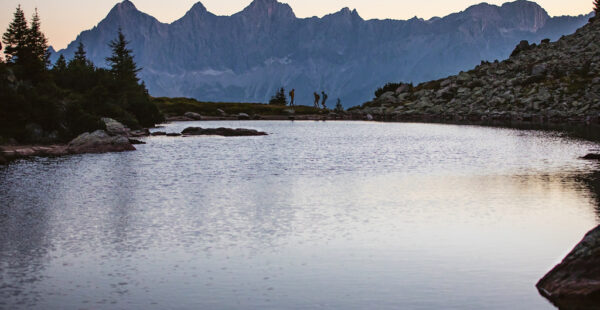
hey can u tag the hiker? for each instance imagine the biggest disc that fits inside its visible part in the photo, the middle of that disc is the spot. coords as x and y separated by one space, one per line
292 97
324 99
317 99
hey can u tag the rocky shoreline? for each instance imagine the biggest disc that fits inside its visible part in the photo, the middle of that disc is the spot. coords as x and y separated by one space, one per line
116 138
550 83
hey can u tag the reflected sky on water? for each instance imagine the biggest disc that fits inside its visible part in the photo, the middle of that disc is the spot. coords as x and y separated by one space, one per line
317 215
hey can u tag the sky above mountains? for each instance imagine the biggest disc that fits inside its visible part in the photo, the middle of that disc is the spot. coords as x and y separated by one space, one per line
62 20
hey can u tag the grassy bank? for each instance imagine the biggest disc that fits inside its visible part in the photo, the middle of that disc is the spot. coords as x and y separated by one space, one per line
179 106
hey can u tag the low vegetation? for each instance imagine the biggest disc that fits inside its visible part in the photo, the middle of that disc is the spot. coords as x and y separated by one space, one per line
179 106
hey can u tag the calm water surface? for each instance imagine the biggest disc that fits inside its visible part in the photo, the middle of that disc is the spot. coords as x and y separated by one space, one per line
336 215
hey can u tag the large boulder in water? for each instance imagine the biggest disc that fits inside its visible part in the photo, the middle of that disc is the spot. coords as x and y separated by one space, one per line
574 284
99 142
226 132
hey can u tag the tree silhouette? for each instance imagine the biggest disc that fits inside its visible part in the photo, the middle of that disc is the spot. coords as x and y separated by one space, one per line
279 98
38 44
61 64
15 38
122 65
597 8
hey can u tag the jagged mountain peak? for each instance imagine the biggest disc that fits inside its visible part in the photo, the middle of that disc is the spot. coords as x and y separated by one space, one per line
268 8
124 7
345 13
198 7
196 11
526 15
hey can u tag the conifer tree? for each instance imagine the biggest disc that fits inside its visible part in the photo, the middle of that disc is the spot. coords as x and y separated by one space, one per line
597 8
15 38
80 58
61 64
38 44
279 98
122 65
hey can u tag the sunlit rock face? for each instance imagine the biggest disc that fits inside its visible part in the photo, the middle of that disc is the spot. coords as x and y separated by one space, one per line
247 56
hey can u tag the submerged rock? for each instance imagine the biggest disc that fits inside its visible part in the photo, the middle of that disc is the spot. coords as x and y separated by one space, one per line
134 141
226 132
574 284
99 142
592 156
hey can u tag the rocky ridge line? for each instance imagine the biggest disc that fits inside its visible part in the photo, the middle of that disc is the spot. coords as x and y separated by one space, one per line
552 82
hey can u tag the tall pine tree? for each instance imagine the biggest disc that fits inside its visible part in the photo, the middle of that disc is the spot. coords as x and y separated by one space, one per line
15 38
80 57
38 44
122 65
597 8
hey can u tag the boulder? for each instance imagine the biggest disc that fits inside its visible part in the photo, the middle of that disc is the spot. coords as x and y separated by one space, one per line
243 116
221 112
591 156
173 134
159 133
369 117
99 142
226 132
521 47
115 128
140 133
539 69
402 89
192 115
575 282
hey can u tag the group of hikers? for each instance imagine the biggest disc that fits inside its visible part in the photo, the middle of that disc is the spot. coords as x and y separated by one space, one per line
317 99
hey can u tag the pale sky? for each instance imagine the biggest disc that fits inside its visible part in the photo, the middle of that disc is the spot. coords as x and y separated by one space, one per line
62 20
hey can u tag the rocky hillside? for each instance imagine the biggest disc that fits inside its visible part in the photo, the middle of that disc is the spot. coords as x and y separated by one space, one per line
246 57
553 81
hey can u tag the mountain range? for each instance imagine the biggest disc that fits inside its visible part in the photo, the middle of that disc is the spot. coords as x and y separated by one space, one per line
247 56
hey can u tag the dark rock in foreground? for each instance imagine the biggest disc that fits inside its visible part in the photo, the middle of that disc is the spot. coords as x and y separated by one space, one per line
134 141
592 156
574 284
226 132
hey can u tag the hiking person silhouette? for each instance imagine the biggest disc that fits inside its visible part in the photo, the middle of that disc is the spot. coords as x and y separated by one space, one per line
317 99
324 99
292 97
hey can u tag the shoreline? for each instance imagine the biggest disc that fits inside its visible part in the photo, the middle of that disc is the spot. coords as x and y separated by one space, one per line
575 130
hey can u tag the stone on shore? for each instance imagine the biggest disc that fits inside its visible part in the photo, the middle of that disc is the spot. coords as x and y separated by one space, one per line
226 132
192 115
243 116
115 128
99 142
575 282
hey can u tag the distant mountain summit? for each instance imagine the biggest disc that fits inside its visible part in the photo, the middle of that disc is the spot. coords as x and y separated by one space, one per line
247 56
